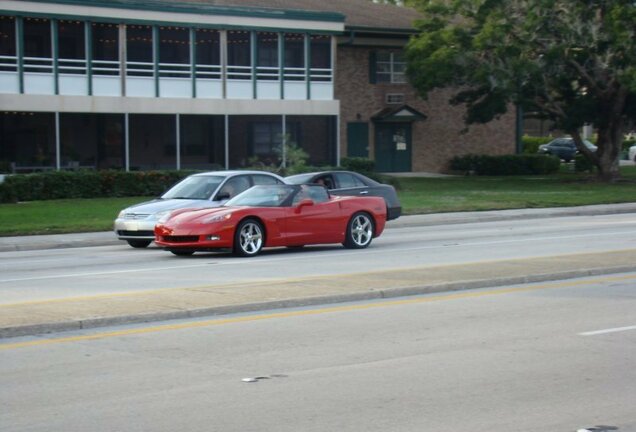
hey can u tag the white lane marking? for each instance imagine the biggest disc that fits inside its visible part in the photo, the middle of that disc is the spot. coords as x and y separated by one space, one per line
611 330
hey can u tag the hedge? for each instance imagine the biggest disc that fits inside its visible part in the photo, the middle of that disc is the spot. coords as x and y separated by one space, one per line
87 184
523 164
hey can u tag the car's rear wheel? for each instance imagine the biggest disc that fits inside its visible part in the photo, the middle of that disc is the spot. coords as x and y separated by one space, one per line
178 252
359 231
249 238
139 243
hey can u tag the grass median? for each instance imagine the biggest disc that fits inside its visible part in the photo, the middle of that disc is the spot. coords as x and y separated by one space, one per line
418 195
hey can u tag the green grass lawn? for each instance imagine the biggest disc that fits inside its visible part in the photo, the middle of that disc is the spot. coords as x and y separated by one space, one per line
418 195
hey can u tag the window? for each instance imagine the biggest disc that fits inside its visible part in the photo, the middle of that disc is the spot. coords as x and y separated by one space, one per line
174 52
294 57
260 179
71 47
346 180
7 43
37 45
208 54
320 58
239 50
267 56
105 49
140 52
266 136
389 66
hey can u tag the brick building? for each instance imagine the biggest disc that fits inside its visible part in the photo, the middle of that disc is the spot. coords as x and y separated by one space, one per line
210 84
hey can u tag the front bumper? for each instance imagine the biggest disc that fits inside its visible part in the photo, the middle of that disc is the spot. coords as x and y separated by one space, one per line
134 229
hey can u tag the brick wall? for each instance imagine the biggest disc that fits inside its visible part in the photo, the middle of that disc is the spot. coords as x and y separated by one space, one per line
437 138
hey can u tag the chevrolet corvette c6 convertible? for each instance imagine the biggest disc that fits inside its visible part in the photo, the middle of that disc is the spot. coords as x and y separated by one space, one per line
274 216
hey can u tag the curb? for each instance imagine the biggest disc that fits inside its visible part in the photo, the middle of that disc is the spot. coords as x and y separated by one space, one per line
40 329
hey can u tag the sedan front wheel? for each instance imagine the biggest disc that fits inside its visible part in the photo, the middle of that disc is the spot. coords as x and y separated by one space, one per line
359 231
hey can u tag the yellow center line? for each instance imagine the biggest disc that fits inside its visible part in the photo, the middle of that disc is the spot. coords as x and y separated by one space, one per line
300 313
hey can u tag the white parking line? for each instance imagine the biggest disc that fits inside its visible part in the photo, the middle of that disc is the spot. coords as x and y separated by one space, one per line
611 330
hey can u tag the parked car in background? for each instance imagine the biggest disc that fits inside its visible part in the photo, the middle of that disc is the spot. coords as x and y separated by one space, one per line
349 183
274 215
136 224
632 153
564 148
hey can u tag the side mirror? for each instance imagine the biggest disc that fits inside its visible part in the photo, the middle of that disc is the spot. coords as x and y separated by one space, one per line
304 203
222 196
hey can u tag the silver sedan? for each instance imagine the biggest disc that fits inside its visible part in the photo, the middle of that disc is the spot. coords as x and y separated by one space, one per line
136 224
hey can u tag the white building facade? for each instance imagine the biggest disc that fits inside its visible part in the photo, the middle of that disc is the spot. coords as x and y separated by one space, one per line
162 85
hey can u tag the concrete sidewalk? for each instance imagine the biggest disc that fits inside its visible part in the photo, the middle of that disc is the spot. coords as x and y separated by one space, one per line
40 317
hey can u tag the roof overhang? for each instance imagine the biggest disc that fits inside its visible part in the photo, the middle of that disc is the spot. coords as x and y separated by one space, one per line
161 11
403 113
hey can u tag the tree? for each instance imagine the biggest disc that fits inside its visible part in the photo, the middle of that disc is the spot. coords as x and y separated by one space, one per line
572 61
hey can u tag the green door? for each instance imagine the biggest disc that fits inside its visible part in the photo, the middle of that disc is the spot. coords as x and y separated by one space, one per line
358 139
393 147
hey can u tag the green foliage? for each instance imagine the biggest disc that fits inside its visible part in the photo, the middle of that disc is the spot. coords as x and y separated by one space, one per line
505 165
569 61
583 164
87 184
358 164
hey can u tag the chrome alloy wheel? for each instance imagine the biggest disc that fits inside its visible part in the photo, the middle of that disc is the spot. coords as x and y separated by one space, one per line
250 238
359 231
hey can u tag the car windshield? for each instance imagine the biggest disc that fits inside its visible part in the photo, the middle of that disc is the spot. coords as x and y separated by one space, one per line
264 196
194 187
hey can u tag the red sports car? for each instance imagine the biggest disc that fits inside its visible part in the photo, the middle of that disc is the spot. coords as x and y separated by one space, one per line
274 215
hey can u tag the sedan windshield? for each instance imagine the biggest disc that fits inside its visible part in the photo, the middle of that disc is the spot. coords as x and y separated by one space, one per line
194 187
264 196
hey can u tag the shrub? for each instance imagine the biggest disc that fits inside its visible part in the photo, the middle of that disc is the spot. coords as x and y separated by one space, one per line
87 184
524 164
358 164
583 164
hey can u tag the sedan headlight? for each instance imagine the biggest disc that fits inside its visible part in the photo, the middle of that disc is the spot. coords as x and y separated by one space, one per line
121 214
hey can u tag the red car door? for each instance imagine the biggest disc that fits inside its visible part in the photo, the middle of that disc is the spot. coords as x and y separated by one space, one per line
319 222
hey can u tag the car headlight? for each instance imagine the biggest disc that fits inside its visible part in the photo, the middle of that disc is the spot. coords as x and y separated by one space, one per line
122 214
218 218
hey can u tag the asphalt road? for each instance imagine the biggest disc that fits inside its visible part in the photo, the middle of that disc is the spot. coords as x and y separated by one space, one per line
551 357
63 273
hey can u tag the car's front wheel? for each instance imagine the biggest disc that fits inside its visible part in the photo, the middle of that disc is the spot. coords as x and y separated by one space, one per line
249 238
359 231
139 243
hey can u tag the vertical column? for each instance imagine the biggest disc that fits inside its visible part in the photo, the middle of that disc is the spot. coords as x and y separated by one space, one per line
308 64
123 57
178 141
283 143
334 47
56 56
223 47
193 60
155 56
253 57
88 48
58 156
19 41
227 141
281 63
127 142
338 140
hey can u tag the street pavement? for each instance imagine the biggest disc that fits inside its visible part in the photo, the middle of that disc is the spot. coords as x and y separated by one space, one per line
40 317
